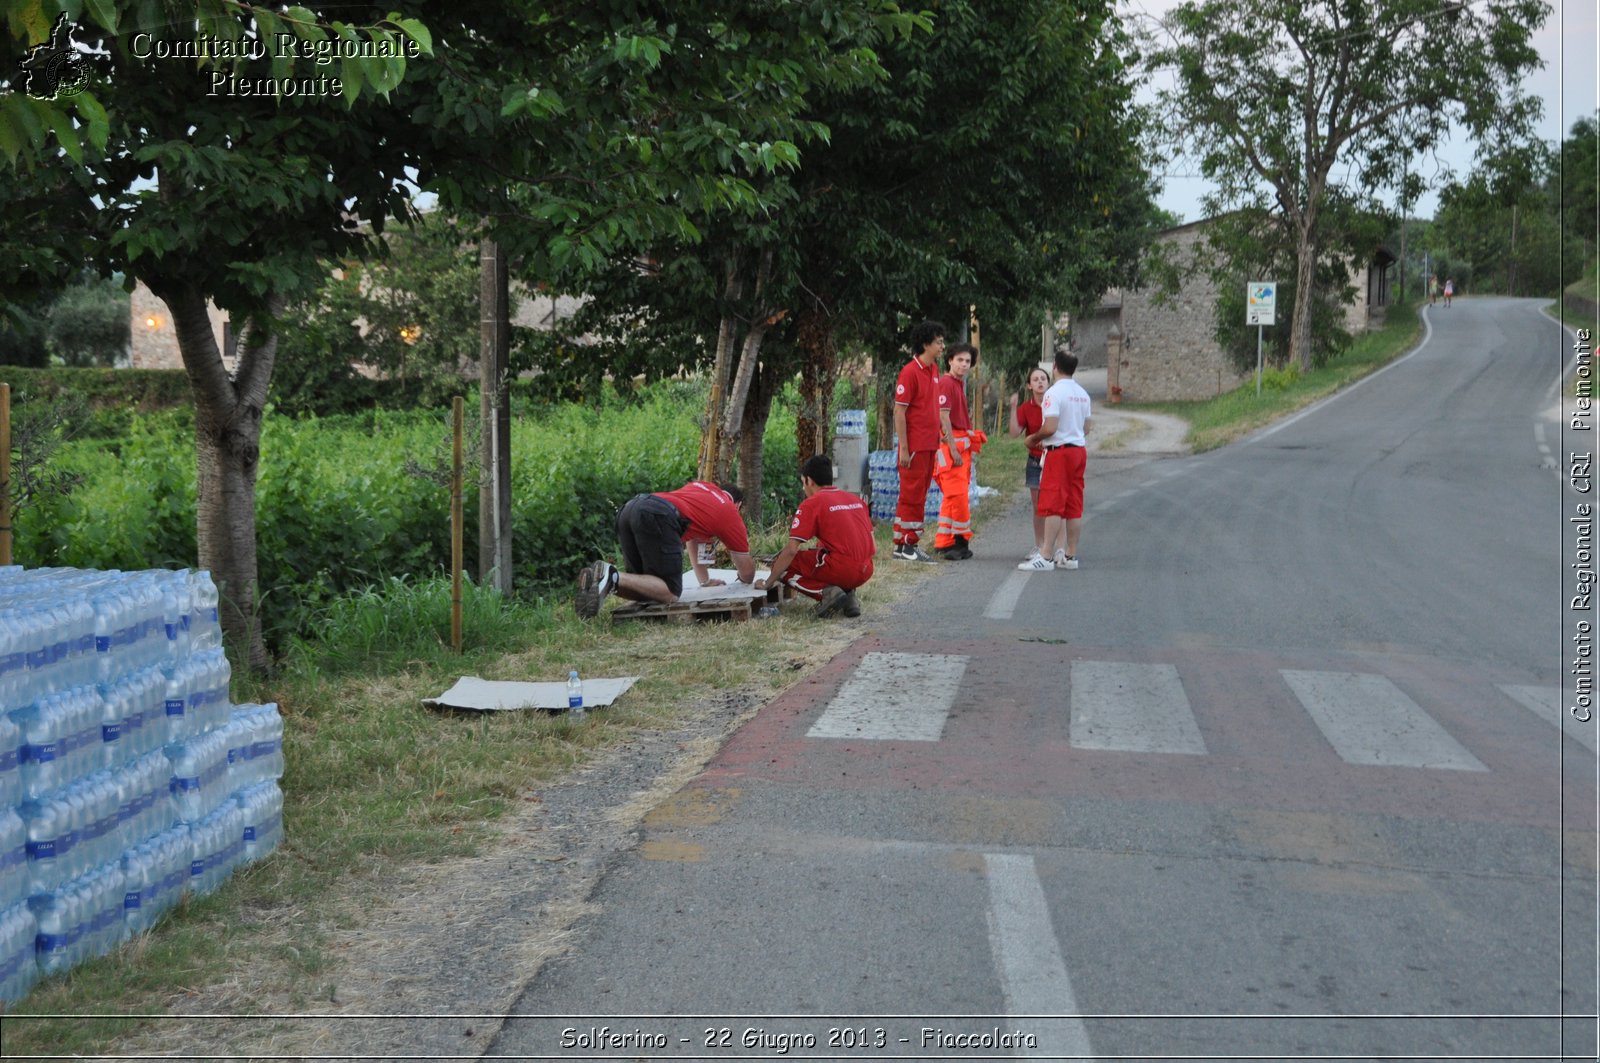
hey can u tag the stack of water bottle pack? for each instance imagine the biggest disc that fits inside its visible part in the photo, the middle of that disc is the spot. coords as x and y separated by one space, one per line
883 467
127 777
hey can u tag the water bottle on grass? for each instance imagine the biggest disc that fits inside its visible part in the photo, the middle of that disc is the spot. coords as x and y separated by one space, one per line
575 707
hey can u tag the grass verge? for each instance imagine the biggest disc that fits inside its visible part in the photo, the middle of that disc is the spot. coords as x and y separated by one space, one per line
1215 422
375 783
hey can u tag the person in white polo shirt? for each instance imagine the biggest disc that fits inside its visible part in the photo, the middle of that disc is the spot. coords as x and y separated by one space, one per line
1063 435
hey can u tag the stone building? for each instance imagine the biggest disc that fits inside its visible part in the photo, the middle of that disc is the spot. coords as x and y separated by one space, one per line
154 343
1165 350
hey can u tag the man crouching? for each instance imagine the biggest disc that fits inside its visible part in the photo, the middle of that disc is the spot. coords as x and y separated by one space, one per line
842 561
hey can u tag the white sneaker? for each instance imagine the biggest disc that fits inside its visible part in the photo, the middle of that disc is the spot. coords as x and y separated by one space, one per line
1064 561
1031 555
1035 564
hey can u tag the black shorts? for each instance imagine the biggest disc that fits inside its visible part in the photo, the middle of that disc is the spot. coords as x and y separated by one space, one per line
651 532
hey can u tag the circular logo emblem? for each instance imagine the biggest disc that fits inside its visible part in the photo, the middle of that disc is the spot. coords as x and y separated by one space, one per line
796 522
900 389
68 73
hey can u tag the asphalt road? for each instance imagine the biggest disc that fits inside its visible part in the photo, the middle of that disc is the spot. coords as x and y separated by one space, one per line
1277 773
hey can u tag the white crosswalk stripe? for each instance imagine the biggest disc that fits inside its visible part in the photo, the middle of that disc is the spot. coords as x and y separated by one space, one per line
1369 720
1131 707
894 697
1546 703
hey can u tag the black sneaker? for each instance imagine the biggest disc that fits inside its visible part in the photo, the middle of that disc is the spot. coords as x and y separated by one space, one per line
850 606
912 552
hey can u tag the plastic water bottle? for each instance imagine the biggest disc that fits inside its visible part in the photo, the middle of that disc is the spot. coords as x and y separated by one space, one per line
13 859
18 969
10 762
575 707
207 631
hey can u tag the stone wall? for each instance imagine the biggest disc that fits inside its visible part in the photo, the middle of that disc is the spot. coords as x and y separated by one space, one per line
153 344
1089 333
1168 350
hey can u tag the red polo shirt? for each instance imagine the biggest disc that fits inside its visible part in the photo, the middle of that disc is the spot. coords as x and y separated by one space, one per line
919 392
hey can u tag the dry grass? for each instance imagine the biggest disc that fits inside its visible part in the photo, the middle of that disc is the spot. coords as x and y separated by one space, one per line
433 862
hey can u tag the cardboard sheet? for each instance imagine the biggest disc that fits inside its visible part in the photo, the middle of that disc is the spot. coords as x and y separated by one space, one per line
693 592
488 695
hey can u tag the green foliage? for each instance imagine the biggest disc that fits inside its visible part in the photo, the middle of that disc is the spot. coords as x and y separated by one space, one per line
338 512
22 343
112 398
1514 231
1280 378
88 325
1253 245
1277 105
410 316
1580 199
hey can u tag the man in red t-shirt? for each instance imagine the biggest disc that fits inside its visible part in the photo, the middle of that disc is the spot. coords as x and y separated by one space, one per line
920 421
842 526
652 530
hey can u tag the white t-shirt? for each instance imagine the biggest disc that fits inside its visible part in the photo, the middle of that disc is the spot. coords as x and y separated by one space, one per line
1069 404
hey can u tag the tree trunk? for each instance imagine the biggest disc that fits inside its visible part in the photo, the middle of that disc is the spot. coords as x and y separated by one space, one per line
819 372
727 333
227 436
1304 299
761 319
738 397
752 442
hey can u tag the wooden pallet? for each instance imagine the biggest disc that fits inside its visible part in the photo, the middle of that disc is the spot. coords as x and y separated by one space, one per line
687 612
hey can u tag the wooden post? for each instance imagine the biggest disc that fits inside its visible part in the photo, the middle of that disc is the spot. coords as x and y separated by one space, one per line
5 474
457 519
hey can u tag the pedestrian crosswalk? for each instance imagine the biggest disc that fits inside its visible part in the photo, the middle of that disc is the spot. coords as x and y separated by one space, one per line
894 697
1138 708
1369 720
1144 707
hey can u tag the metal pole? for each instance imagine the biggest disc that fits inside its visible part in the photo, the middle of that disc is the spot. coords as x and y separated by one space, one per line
1259 330
457 519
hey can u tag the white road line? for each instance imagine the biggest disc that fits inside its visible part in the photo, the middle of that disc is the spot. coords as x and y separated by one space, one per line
1003 602
902 697
1369 720
1131 707
1033 976
1546 703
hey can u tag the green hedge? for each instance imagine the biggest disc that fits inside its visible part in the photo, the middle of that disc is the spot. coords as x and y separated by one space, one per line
337 511
115 397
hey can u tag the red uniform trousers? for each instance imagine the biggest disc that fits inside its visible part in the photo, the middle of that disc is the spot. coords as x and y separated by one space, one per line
914 480
814 571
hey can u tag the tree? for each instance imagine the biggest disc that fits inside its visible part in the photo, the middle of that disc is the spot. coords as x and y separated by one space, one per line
88 325
1508 227
1579 197
413 313
994 163
614 118
1306 98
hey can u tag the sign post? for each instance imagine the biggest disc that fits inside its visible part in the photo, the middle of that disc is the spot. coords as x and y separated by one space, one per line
1261 301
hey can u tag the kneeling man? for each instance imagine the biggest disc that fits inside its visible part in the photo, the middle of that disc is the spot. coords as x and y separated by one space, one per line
653 530
842 561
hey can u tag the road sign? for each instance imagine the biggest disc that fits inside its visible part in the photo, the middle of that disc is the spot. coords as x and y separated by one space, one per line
1262 302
